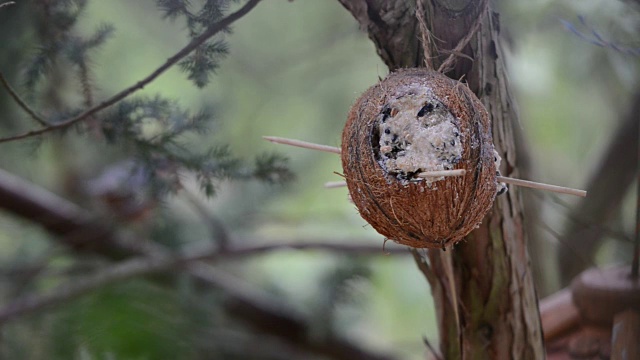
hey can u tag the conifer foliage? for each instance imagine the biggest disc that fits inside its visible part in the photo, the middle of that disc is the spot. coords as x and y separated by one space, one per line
155 129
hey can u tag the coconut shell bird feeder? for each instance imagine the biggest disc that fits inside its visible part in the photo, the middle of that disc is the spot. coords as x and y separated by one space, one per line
418 159
418 121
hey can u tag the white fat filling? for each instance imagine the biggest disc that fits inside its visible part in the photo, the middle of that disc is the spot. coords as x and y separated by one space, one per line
418 134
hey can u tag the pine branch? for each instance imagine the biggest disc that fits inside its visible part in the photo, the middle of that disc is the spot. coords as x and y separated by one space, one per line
196 42
39 119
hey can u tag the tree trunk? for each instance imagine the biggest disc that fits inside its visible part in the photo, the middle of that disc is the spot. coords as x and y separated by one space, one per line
483 289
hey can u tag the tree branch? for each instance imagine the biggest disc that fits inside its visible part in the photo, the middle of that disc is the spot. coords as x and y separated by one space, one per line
211 31
21 102
148 265
253 307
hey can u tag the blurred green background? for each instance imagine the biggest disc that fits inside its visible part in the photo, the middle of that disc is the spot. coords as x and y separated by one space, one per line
294 69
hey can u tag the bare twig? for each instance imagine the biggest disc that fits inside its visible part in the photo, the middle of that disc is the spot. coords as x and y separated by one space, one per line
39 119
211 31
433 350
575 253
586 223
473 29
594 38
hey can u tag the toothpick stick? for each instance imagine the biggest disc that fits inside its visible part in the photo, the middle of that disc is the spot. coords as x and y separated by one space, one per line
512 181
541 186
457 172
335 184
302 144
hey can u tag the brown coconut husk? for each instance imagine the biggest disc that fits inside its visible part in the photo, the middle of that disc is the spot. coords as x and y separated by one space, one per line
416 214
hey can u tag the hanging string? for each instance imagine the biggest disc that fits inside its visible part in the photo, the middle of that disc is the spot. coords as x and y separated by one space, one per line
425 35
449 63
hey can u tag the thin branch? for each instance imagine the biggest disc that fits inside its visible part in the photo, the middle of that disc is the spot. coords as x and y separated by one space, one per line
7 4
148 265
436 355
596 39
313 245
575 252
211 31
585 223
39 119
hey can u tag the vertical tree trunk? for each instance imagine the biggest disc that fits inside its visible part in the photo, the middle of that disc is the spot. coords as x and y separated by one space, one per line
483 289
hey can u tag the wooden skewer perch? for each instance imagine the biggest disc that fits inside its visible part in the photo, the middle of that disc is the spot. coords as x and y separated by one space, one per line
458 172
542 186
336 150
302 144
335 184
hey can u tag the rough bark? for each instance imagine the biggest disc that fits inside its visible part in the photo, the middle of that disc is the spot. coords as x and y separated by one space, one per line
483 289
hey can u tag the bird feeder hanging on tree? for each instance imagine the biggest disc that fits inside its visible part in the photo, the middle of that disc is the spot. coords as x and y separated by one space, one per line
418 159
417 122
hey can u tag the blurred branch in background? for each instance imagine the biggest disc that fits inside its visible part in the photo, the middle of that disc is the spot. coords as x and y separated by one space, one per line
39 119
148 265
607 187
593 37
191 46
260 311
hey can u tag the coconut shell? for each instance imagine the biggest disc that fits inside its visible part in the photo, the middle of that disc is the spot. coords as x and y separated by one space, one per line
422 213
